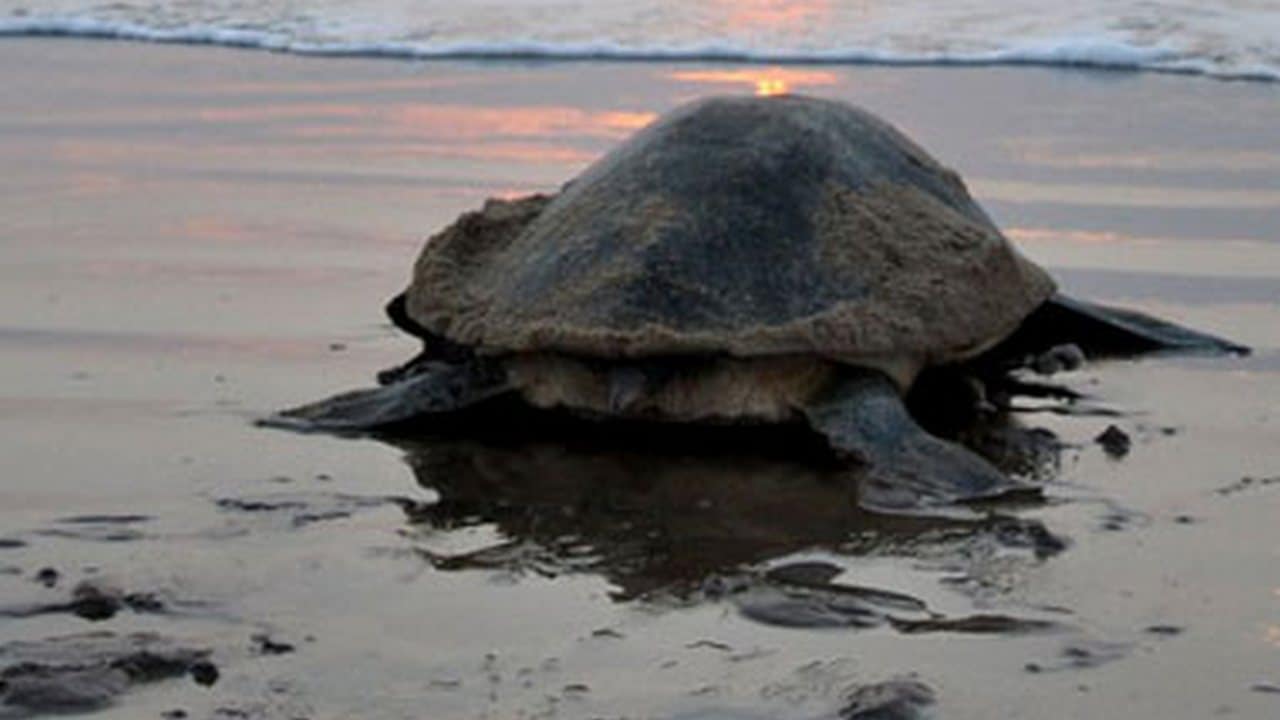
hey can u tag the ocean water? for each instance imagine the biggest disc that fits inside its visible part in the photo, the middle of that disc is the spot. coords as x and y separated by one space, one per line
1229 39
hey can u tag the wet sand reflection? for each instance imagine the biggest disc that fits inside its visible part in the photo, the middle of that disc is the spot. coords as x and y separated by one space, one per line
687 515
765 81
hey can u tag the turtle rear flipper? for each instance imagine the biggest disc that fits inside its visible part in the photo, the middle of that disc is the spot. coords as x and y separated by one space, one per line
906 470
432 389
1106 331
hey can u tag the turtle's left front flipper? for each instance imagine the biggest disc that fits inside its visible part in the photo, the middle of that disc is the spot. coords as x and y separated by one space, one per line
431 389
907 470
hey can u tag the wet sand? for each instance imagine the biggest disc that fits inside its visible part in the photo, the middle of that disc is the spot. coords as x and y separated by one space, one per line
193 237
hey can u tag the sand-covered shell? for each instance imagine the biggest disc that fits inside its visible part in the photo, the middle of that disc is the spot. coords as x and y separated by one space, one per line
737 226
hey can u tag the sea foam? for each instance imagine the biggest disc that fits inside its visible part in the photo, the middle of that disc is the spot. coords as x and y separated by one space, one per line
675 34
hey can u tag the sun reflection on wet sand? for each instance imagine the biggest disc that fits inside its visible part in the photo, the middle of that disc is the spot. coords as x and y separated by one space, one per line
264 112
764 81
522 133
472 121
1091 237
771 86
526 134
419 118
94 183
534 134
1071 236
1125 195
1273 635
531 152
1055 153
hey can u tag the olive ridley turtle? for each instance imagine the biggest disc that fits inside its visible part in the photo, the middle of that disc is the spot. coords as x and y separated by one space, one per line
740 260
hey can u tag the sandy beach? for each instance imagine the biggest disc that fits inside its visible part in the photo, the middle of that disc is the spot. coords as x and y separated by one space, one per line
194 237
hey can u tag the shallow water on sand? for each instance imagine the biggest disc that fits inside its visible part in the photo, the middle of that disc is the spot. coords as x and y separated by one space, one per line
192 238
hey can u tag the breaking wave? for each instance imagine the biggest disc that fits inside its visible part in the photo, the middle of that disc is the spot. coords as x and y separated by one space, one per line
701 36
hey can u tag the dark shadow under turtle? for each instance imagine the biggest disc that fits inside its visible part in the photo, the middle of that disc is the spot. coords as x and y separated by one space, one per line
747 261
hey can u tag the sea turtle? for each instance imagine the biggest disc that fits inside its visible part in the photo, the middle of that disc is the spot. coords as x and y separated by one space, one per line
740 260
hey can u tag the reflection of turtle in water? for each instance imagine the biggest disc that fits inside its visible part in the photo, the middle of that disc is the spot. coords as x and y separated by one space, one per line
669 516
741 260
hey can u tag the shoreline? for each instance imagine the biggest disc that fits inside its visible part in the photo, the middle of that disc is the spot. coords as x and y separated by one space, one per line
1049 58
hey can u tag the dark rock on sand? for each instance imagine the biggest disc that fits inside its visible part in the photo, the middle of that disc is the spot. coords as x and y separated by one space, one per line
92 601
1081 654
1247 482
902 699
80 673
98 528
778 608
803 595
1114 441
264 645
105 519
300 509
819 575
204 673
977 625
1034 536
47 576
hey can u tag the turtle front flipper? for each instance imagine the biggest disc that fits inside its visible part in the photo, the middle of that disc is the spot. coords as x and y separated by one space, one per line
1105 331
907 470
432 389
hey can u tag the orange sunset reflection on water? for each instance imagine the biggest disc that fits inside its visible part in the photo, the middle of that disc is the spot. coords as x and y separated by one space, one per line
773 15
764 82
551 134
1272 635
532 134
514 121
394 144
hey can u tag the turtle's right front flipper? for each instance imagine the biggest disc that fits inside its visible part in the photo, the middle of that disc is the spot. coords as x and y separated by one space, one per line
1107 331
906 470
432 389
